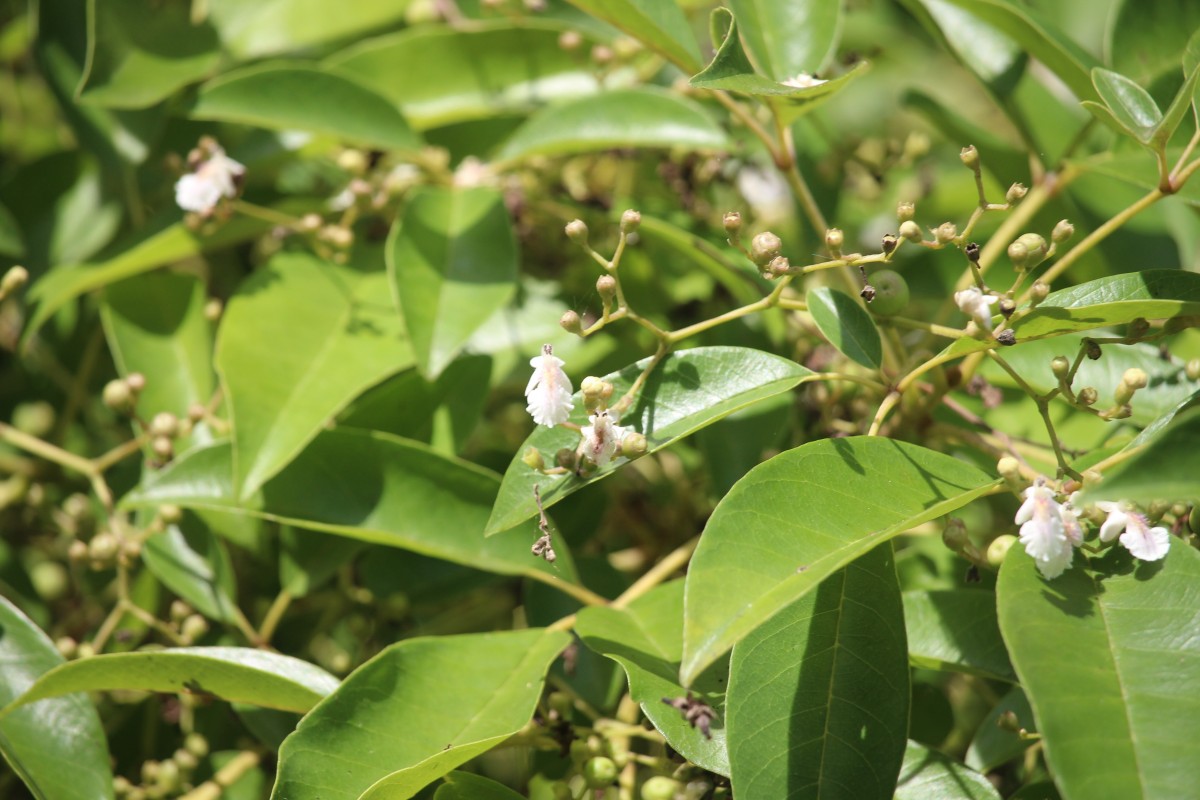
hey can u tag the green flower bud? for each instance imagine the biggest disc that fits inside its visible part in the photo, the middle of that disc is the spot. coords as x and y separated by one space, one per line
50 580
103 548
533 459
606 286
1015 193
14 279
633 444
834 238
1088 396
764 248
571 323
196 744
599 772
1062 232
1135 378
36 418
193 627
999 548
168 777
85 650
185 760
1060 366
630 220
733 224
164 424
162 447
1035 247
969 156
1009 469
660 787
180 611
118 396
1018 254
911 231
577 231
945 233
1192 369
905 211
591 387
954 535
580 751
1039 292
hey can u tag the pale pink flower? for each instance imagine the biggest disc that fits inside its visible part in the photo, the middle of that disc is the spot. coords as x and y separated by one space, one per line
1145 542
976 305
214 178
549 390
602 438
1042 530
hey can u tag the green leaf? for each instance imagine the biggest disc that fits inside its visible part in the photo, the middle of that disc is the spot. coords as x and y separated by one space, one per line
993 745
1145 40
685 392
500 67
12 243
155 325
236 674
1180 105
416 711
846 325
991 55
1139 168
372 487
787 37
646 639
139 52
160 242
930 775
1119 718
956 630
1131 105
467 786
297 96
326 333
270 27
452 260
798 518
818 696
1164 469
308 559
194 564
658 24
642 117
40 740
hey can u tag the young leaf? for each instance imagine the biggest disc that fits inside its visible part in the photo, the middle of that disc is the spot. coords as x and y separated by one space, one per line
1180 104
646 640
1131 105
368 486
956 630
414 712
789 37
818 696
236 674
452 261
846 325
296 96
39 740
1121 716
194 564
927 773
641 117
687 391
658 24
326 335
798 518
1164 469
468 786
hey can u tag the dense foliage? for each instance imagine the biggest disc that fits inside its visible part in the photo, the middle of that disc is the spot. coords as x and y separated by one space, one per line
628 398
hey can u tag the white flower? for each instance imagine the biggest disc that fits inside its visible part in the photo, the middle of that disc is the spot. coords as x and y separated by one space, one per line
803 81
215 177
976 305
549 389
601 439
1042 530
1070 520
1146 543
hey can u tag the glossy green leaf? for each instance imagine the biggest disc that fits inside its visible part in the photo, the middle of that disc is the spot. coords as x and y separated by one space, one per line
1119 718
1150 431
1145 40
930 775
155 325
139 52
658 24
1181 103
496 68
468 786
686 391
297 96
414 712
452 260
1066 59
38 740
956 630
788 37
326 333
993 56
1166 468
993 745
1115 300
161 242
307 559
642 117
194 564
846 325
1131 105
372 487
818 696
646 639
796 519
236 674
270 27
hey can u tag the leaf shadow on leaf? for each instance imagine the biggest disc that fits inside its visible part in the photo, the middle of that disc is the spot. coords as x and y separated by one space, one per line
684 374
428 237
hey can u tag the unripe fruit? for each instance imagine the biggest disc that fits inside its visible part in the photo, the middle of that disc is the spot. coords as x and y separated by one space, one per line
891 293
999 548
633 445
580 751
599 772
1035 248
196 744
660 787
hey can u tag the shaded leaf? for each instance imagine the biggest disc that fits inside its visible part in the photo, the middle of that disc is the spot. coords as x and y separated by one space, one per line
992 745
194 564
930 775
846 325
956 630
993 56
798 518
414 712
1164 469
686 391
658 24
788 37
818 695
1181 103
467 786
307 559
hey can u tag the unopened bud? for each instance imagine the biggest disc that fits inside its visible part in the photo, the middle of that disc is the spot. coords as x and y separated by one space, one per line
954 535
1088 396
170 513
1038 292
591 387
1135 378
972 252
77 551
1015 193
570 322
733 225
1035 248
764 248
606 286
577 231
969 156
193 627
633 444
1018 254
213 308
905 211
1008 721
1007 306
945 233
533 459
136 382
118 396
1062 231
196 744
1138 328
185 760
14 279
834 238
999 548
570 40
1009 469
103 548
164 424
1060 366
779 267
162 447
353 161
1192 369
911 231
66 646
606 390
337 235
602 54
630 220
180 611
311 222
889 243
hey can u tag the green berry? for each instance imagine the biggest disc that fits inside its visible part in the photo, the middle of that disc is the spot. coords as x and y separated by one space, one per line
891 293
660 787
600 772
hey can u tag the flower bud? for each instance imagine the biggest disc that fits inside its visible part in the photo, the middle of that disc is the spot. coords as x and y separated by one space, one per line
999 548
1088 396
136 382
1135 378
162 447
14 279
179 611
834 238
606 286
969 156
103 548
633 444
911 231
164 424
170 513
185 760
1015 193
954 535
905 211
66 646
118 396
1192 369
889 243
533 459
196 744
945 233
778 267
577 231
311 222
1009 469
77 551
570 40
213 308
630 220
193 627
764 248
599 772
1062 231
1035 248
571 323
733 225
1018 254
1038 292
1060 366
591 387
602 54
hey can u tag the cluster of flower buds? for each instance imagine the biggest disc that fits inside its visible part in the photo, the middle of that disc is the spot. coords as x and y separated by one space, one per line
167 778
